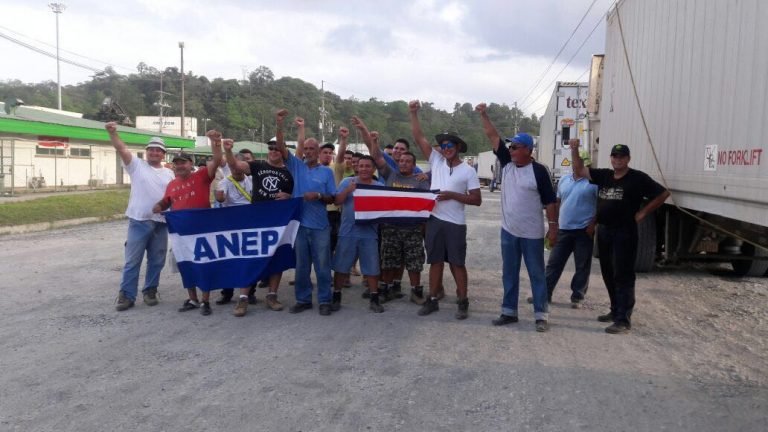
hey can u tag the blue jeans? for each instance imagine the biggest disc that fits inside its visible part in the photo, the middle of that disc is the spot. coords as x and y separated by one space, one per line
579 243
143 236
313 246
532 251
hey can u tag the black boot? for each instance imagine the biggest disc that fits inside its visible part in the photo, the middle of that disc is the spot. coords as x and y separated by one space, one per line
397 290
336 303
429 306
385 293
417 295
463 311
226 296
375 306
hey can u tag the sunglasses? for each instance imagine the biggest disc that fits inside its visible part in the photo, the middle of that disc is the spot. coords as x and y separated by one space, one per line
447 145
516 147
272 148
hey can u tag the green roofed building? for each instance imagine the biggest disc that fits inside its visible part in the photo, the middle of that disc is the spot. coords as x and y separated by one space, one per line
41 147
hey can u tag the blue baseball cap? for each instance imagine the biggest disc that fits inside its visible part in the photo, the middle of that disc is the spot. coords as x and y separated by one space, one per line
521 138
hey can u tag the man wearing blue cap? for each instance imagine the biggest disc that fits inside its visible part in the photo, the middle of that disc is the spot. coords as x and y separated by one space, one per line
621 193
527 188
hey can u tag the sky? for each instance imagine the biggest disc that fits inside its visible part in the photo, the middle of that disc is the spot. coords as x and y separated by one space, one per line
439 51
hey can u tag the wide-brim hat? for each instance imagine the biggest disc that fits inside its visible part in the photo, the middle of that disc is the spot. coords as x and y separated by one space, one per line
156 142
452 137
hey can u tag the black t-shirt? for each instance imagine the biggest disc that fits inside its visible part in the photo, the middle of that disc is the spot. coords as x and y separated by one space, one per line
269 180
619 199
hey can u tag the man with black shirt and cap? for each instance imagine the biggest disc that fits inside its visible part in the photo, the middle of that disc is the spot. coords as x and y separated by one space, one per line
621 193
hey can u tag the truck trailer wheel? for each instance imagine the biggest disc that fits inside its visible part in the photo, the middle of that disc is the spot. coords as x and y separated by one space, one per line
754 268
646 244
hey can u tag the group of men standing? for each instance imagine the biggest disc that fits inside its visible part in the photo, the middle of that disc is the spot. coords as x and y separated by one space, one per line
330 241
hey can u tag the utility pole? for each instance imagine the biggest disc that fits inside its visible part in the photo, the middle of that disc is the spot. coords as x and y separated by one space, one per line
515 117
58 8
181 46
322 112
161 104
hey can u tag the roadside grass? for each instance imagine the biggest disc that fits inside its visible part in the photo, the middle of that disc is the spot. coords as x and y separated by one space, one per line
56 208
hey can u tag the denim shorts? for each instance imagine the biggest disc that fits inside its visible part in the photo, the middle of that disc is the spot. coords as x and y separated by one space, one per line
350 248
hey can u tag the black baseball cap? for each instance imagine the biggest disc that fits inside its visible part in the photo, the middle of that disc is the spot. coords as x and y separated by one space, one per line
620 149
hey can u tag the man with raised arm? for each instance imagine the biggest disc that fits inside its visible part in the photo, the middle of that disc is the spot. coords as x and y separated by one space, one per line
315 184
191 190
446 232
146 231
527 189
620 196
271 181
401 245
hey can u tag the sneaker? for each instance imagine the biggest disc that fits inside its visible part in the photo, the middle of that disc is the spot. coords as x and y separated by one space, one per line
189 305
272 302
542 326
241 308
605 318
299 308
575 304
428 307
417 295
324 309
463 310
504 320
618 328
336 303
226 297
205 308
123 303
150 297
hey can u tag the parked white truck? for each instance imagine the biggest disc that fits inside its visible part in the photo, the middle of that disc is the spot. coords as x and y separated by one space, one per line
700 69
488 170
564 118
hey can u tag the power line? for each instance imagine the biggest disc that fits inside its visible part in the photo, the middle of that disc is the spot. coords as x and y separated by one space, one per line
558 53
569 60
49 54
66 51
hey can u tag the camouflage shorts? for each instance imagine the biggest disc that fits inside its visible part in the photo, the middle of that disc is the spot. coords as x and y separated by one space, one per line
402 246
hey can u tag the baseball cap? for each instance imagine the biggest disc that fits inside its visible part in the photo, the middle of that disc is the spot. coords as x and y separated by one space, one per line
156 142
182 156
272 140
521 138
620 149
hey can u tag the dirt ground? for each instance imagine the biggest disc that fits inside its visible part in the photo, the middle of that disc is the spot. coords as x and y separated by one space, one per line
696 359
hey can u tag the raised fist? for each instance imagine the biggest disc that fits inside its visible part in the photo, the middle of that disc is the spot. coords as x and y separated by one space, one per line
111 127
414 106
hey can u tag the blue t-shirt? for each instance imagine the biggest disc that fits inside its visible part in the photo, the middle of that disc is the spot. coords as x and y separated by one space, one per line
578 202
392 164
348 227
316 179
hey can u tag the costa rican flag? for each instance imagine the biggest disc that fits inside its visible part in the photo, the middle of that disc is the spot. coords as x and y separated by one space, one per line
380 204
234 247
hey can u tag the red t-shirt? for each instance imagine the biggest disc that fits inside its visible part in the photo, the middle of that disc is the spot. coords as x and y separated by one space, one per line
190 193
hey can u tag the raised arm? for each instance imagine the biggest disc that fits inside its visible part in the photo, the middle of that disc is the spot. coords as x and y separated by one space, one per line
117 143
279 120
214 163
343 142
300 137
368 139
578 164
234 164
418 134
488 127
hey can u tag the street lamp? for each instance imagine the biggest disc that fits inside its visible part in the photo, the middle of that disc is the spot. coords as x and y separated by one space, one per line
58 8
181 46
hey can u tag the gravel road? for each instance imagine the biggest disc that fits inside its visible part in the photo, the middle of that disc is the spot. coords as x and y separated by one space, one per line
696 359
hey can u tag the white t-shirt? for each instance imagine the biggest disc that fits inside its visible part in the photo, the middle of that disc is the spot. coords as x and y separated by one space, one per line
147 188
522 214
232 194
462 178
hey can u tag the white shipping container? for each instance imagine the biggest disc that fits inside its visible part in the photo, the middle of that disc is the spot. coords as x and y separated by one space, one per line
564 118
